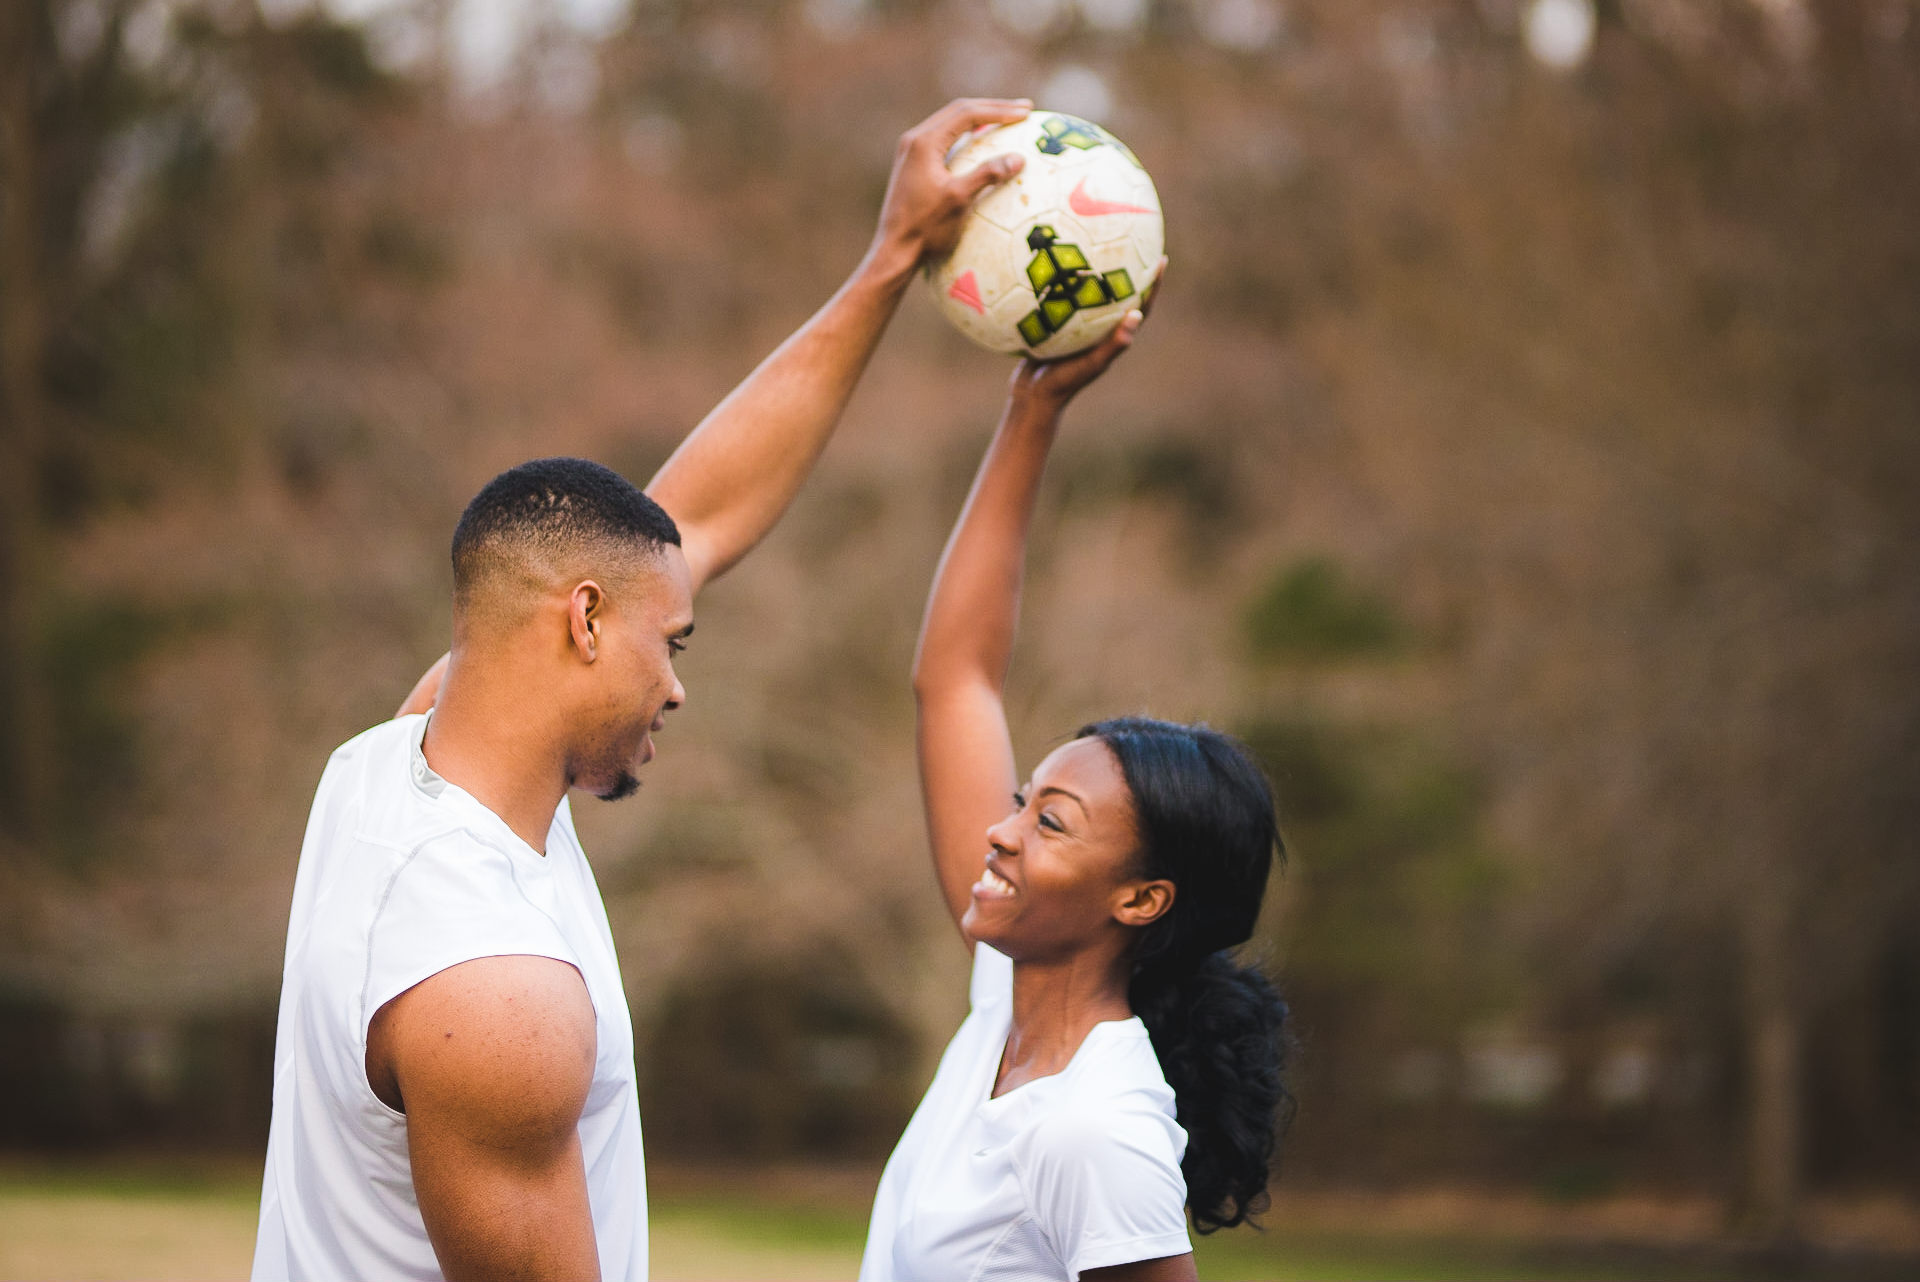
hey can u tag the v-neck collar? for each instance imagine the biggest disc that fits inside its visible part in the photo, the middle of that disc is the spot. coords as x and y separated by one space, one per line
1096 1033
433 785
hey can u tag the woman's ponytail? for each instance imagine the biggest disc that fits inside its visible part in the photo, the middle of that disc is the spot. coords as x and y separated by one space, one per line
1206 819
1219 1031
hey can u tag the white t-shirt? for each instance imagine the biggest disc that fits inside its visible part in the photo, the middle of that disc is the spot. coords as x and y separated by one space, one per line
1076 1171
402 875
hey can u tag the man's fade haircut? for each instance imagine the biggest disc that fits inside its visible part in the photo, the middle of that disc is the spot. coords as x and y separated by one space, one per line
552 509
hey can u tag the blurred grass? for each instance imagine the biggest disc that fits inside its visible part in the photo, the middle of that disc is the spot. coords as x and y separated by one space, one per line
1250 1256
158 1218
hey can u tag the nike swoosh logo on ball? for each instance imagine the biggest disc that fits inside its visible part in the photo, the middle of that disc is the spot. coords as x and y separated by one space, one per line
967 290
1091 206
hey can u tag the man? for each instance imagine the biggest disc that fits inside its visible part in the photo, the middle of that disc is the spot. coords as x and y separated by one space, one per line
454 1089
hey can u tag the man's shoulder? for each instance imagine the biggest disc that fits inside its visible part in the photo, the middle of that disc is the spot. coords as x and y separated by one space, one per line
387 737
369 790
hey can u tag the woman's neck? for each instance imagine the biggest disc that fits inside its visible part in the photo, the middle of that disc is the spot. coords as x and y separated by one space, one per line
1055 1005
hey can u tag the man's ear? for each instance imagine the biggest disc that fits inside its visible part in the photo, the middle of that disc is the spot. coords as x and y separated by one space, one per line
586 605
1144 902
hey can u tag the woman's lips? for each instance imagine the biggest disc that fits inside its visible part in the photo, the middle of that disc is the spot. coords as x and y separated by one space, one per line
993 886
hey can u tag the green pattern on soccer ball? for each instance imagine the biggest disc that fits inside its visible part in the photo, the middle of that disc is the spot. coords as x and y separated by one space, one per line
1057 133
1041 272
1063 284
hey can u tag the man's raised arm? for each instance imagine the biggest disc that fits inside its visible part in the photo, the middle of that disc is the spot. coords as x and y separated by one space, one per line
735 474
740 467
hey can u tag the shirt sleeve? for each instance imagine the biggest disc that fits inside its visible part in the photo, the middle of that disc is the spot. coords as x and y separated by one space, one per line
1107 1189
451 901
992 978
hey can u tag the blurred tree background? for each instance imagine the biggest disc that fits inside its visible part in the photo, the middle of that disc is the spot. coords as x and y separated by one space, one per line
1524 461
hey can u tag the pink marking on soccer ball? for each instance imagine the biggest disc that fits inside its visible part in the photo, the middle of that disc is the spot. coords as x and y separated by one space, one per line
967 290
1092 206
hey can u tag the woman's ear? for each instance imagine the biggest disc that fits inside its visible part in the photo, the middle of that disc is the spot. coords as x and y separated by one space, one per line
1143 902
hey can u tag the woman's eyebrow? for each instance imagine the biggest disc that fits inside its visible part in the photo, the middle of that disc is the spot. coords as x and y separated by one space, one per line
1068 795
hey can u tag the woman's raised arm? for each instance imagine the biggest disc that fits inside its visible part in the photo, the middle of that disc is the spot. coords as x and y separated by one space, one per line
966 639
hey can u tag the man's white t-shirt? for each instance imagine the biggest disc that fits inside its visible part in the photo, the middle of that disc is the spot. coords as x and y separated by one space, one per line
1076 1171
402 875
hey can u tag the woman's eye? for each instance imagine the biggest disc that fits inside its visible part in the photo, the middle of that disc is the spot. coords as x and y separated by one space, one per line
1019 801
1048 821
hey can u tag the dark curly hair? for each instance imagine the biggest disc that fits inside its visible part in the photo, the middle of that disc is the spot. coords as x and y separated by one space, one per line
1206 819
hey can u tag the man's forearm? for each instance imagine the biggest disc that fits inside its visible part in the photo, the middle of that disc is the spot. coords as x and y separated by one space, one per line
732 478
739 469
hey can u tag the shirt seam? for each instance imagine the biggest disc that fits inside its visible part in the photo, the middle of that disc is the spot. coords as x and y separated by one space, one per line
986 1257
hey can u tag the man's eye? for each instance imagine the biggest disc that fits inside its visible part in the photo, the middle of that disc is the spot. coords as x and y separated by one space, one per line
675 645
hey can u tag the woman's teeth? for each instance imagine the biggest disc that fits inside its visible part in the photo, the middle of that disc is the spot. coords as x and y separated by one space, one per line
993 883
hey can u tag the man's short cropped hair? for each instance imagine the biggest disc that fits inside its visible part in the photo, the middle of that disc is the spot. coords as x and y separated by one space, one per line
551 510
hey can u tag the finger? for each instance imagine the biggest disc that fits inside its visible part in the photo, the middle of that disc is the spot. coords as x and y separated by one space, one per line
1152 291
983 176
1118 340
1078 370
1116 343
1113 346
963 115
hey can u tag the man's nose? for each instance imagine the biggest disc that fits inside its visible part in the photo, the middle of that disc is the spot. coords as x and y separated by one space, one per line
677 696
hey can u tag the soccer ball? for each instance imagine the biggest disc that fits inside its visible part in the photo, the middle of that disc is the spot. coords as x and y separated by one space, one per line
1051 260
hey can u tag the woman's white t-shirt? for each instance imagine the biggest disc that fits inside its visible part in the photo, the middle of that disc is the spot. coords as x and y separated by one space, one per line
1076 1171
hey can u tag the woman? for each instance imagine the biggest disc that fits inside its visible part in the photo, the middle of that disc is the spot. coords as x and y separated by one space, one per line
1117 1067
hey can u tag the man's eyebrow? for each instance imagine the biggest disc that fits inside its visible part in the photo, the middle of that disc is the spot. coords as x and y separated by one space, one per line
685 632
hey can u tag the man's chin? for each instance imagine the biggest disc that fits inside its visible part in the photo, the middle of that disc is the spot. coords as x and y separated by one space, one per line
625 786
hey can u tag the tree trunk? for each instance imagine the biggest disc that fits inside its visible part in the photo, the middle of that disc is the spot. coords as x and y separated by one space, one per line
28 710
1773 1053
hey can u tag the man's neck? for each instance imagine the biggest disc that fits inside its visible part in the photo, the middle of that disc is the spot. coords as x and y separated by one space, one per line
490 747
1055 1005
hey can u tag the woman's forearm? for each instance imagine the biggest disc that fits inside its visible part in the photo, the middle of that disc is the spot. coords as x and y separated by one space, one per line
964 750
974 608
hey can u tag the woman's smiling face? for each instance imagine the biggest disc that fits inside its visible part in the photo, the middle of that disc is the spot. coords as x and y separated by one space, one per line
1062 873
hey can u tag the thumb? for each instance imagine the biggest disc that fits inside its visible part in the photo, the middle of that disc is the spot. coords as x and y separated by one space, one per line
992 172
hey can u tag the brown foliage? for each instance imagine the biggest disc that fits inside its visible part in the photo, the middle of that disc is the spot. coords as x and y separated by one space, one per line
1599 385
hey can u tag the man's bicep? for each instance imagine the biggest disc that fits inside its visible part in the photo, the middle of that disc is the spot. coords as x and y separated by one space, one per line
493 1060
492 1214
